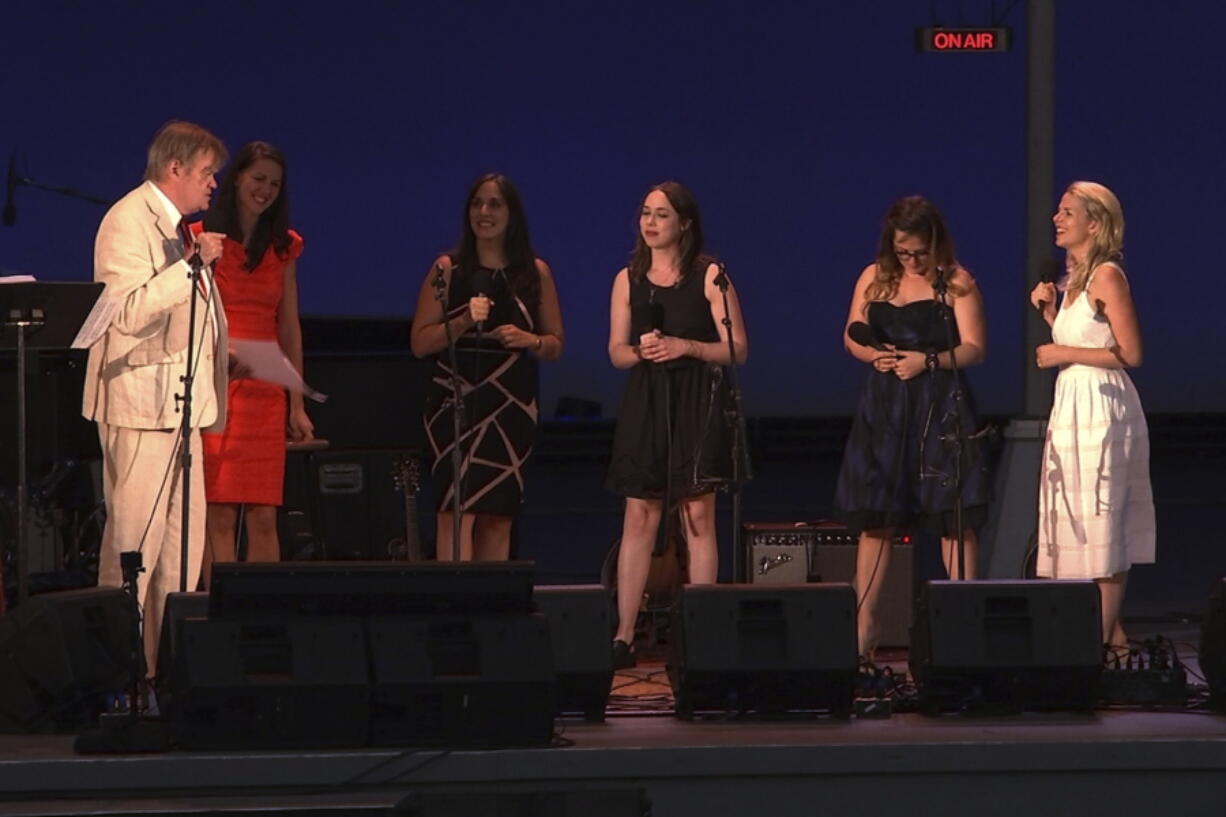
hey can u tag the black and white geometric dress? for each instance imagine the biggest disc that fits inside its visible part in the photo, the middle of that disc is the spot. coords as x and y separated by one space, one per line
499 390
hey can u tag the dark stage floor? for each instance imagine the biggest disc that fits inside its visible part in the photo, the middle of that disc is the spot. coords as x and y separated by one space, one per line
1026 764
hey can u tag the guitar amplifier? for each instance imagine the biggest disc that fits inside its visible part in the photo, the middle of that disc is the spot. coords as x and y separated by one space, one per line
800 552
344 505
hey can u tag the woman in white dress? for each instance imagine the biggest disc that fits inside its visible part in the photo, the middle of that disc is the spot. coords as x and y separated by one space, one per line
1096 507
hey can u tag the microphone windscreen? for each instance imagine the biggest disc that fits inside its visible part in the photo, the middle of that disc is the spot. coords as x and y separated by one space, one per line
212 221
655 314
863 334
483 282
1049 270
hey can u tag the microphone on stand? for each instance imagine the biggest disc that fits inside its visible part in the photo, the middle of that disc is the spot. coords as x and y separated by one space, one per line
10 185
483 282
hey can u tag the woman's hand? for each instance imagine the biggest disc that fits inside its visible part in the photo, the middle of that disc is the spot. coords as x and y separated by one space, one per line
301 429
910 364
885 362
660 348
479 308
512 337
1043 298
1050 355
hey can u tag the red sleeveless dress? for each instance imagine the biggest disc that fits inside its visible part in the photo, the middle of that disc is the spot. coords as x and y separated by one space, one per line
246 462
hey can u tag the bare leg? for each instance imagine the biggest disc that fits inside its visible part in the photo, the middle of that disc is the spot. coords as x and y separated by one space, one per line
261 524
970 552
443 550
1112 590
220 520
699 515
491 538
872 562
639 523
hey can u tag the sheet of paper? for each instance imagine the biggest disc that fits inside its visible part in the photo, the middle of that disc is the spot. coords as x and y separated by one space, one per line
17 279
97 322
268 362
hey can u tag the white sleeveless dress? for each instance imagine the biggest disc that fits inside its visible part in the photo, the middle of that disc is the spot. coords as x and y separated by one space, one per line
1096 506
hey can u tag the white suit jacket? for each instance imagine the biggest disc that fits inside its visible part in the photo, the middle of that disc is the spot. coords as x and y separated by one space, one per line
134 369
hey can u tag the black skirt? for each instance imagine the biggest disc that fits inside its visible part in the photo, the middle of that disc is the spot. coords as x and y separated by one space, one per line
672 422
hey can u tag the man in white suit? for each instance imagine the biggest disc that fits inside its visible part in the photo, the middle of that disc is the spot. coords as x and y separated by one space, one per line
133 388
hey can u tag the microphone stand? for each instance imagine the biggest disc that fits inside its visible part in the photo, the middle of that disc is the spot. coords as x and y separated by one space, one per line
742 471
940 288
14 181
457 410
185 425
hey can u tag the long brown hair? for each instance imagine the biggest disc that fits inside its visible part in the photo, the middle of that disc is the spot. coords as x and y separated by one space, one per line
272 227
913 215
693 259
521 268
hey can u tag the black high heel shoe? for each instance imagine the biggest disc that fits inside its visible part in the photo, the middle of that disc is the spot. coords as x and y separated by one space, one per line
623 656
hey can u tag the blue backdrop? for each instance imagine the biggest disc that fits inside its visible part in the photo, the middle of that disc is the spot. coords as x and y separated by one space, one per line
796 123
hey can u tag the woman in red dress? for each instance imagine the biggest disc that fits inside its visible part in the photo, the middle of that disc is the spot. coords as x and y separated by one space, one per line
256 277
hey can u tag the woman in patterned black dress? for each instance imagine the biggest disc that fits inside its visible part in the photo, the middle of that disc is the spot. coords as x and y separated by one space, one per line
666 326
898 469
502 308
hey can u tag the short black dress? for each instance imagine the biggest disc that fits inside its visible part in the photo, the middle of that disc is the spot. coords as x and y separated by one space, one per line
672 419
499 389
897 470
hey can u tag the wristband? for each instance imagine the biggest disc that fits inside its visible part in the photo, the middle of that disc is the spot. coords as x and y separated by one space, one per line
932 362
540 341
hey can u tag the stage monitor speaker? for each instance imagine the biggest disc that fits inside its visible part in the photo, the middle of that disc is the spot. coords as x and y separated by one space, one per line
271 685
553 803
581 630
795 552
1007 645
476 681
765 649
1213 647
265 591
61 655
179 606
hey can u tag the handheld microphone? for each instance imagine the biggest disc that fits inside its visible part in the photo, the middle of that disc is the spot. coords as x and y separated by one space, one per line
655 316
483 282
1049 268
863 334
10 184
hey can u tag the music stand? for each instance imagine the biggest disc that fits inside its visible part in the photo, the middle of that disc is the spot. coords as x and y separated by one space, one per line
37 316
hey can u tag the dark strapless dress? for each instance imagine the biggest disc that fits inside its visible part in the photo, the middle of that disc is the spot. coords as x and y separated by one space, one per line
898 471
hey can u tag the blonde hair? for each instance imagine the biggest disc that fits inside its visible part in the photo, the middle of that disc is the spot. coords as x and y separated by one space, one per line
1104 209
181 141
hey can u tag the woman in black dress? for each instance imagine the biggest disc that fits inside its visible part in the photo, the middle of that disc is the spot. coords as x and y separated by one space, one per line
502 308
666 326
898 470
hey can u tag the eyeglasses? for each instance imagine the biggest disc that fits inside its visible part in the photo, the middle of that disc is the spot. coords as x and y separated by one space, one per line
914 255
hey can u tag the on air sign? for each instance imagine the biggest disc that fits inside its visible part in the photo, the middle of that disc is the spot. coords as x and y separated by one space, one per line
962 39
